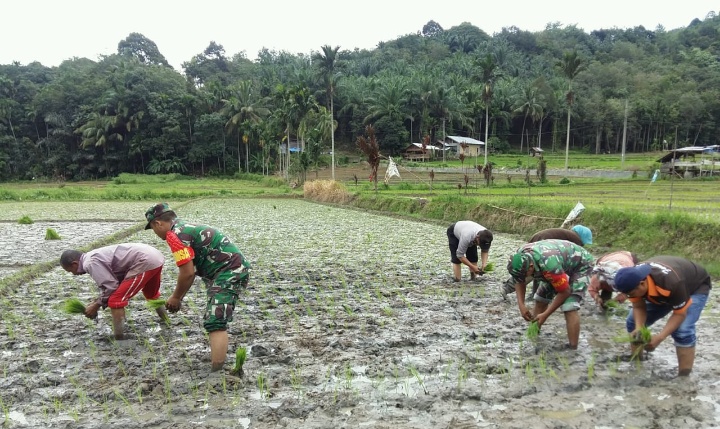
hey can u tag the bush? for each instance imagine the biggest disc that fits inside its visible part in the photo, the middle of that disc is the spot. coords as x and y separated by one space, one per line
564 181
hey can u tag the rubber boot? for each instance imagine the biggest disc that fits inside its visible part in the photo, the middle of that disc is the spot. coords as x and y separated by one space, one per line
686 359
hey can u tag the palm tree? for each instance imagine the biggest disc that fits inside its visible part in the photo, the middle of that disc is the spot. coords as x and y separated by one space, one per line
571 65
244 108
327 62
527 104
489 75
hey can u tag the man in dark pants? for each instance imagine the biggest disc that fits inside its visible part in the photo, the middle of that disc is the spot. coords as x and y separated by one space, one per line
463 239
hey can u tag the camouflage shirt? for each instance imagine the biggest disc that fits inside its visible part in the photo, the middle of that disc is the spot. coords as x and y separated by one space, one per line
210 250
560 263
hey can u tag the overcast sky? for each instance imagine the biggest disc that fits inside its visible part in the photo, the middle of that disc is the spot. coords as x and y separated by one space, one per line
51 31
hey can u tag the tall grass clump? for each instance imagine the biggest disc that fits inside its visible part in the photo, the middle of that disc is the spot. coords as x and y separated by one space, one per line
326 191
51 234
25 220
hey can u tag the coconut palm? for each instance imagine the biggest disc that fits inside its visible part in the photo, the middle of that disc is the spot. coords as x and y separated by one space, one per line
571 65
490 74
244 108
327 60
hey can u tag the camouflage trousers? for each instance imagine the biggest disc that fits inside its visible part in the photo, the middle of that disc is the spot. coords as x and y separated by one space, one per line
222 294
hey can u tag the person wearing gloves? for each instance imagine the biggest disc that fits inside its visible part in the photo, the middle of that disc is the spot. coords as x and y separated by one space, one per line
665 285
464 237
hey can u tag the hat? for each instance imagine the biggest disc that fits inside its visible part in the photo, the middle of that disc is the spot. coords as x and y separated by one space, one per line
627 279
518 265
484 239
606 271
153 212
584 233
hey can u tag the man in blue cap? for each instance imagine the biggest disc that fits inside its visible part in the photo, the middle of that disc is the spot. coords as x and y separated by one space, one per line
659 286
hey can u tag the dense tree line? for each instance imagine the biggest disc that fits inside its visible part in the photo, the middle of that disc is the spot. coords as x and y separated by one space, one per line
559 88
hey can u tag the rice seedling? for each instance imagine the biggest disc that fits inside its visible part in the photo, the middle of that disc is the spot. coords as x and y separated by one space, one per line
51 234
25 220
638 341
240 356
533 330
489 267
154 304
74 306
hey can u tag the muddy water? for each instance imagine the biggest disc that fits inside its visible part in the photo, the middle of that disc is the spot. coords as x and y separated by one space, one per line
351 321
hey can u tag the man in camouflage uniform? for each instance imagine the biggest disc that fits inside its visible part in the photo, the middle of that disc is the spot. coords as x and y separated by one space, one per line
578 234
564 269
204 251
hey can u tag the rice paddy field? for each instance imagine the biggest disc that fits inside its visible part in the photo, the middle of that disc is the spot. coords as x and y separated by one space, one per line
350 320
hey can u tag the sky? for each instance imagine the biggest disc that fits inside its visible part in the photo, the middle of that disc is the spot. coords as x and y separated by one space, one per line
51 31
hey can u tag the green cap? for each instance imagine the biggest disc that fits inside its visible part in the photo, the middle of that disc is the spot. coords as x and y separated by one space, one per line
518 265
153 212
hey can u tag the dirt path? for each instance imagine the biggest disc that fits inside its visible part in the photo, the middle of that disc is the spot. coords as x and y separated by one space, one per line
351 321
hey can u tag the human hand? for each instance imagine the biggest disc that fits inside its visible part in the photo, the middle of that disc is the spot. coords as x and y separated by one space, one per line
91 310
173 304
621 297
541 318
652 345
526 314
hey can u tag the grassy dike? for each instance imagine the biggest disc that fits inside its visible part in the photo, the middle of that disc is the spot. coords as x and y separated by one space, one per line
647 234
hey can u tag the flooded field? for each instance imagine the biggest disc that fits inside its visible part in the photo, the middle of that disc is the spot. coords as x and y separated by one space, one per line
351 321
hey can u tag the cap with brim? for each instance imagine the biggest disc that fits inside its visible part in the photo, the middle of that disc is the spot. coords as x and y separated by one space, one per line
518 266
584 233
627 279
153 212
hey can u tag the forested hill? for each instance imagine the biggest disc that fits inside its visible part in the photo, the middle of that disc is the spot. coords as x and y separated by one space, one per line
132 112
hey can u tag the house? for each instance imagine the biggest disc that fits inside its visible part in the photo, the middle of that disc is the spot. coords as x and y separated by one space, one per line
692 161
467 145
294 147
536 151
415 152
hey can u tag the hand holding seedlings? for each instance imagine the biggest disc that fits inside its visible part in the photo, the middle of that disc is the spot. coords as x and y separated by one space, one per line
173 304
91 311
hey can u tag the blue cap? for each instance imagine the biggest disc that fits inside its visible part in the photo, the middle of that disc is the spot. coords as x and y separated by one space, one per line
629 278
584 233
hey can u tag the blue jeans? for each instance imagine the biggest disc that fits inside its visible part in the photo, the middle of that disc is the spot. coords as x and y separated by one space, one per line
684 336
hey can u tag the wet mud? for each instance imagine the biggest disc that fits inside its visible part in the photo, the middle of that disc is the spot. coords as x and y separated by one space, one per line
351 321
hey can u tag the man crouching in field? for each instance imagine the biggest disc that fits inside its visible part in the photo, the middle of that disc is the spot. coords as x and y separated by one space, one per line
204 251
564 269
120 271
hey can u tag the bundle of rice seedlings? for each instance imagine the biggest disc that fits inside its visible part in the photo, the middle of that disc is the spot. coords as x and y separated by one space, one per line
611 303
154 304
490 267
533 330
639 340
74 306
51 234
25 220
240 356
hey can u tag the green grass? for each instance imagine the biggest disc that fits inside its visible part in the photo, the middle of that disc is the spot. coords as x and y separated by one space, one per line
533 330
25 220
51 234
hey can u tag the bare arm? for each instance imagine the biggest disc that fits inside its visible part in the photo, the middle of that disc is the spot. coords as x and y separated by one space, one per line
185 279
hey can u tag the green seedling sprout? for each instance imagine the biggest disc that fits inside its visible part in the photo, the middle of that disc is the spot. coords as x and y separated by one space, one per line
74 306
240 356
533 330
490 267
51 234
